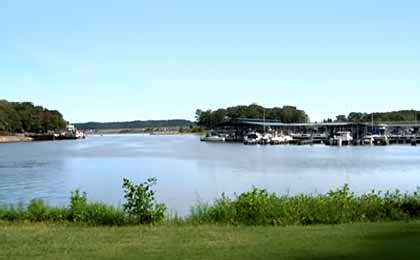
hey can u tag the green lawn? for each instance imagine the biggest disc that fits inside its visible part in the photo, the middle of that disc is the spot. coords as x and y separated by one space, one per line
398 240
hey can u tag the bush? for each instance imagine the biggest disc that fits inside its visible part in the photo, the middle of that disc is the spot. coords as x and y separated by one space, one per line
140 203
253 207
13 213
258 207
37 210
78 206
56 214
93 214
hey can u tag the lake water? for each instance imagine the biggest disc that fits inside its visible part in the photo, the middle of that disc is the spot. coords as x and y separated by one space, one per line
189 170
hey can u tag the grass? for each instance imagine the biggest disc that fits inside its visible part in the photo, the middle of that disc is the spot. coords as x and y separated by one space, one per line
253 225
256 207
395 240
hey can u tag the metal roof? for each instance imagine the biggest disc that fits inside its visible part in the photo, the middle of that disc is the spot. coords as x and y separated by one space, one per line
274 123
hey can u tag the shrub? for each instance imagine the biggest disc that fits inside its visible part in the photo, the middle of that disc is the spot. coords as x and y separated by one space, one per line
253 207
37 210
258 207
140 202
223 211
13 213
56 214
78 206
93 214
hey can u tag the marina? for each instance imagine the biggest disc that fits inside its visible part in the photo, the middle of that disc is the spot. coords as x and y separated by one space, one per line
260 131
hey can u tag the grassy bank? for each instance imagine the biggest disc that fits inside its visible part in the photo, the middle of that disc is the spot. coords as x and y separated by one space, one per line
256 207
253 225
397 240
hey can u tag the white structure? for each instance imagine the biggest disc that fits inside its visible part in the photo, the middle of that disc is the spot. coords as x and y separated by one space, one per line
253 138
343 138
213 137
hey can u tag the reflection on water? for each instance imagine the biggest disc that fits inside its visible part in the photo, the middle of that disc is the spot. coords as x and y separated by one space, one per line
188 170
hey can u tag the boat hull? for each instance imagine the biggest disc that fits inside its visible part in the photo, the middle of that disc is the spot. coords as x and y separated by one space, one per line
213 139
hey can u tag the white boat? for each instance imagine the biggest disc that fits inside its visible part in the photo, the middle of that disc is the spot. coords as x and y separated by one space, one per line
266 138
369 139
281 139
343 138
213 137
253 138
80 135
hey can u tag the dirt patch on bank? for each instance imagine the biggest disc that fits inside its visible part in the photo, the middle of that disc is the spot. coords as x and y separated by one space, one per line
15 138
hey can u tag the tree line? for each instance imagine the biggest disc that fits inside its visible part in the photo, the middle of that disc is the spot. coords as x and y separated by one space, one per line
285 114
21 117
394 116
134 124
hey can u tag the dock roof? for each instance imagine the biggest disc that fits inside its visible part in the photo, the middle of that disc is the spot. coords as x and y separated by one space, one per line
275 123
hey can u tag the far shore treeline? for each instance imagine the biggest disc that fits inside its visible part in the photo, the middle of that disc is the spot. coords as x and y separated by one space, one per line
134 124
395 116
24 117
286 114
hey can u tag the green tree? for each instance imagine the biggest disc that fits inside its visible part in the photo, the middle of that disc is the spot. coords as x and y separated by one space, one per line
19 117
286 114
341 118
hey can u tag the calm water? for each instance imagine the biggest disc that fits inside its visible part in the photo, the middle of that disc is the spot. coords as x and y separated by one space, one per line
189 171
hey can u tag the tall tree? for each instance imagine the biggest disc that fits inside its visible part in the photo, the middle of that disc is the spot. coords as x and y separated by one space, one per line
286 114
19 117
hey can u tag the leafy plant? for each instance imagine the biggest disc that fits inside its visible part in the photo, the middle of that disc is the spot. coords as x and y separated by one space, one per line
140 202
37 210
78 205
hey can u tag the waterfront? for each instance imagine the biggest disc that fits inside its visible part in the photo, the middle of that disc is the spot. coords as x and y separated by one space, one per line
189 170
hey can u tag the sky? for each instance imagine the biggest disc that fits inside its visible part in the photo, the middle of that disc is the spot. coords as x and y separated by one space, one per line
102 60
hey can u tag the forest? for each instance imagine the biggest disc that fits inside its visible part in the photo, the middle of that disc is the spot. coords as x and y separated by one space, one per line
134 124
378 117
25 117
286 114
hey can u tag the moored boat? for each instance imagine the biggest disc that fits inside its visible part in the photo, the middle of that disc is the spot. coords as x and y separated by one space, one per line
281 139
341 138
253 138
213 137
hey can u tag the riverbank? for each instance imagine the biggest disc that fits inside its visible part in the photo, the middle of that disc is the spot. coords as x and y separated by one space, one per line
256 207
15 138
396 240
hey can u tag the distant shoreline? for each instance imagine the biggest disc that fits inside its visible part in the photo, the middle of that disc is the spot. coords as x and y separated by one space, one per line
144 133
156 131
15 138
20 138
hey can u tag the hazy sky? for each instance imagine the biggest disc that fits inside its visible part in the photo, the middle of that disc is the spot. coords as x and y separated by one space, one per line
101 60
